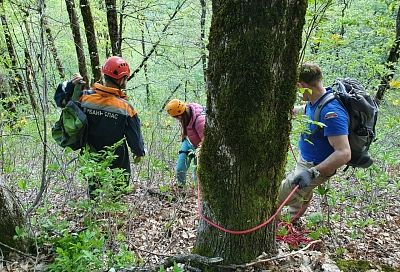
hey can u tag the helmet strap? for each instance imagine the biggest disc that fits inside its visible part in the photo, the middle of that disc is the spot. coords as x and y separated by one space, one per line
114 82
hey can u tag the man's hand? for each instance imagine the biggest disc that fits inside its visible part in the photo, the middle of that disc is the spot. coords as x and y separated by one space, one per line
77 79
136 159
303 179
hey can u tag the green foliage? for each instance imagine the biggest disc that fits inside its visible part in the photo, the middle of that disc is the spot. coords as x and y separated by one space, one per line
360 266
95 170
79 252
86 249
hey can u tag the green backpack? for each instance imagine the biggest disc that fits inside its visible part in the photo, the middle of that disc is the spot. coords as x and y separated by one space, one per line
72 128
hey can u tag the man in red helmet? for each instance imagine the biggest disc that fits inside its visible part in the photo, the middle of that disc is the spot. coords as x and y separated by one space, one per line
111 117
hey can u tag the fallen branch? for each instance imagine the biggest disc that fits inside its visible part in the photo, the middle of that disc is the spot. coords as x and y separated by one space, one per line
191 259
16 250
260 261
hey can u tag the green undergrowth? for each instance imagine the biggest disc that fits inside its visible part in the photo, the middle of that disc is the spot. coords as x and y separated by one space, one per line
361 266
91 236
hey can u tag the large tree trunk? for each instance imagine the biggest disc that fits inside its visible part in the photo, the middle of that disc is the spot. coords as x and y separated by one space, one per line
74 24
91 39
11 217
252 73
390 63
113 26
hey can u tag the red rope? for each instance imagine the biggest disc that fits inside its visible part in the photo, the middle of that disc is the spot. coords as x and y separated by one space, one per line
294 237
240 232
253 229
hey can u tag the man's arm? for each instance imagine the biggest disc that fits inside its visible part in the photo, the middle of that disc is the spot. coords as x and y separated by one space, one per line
340 156
134 136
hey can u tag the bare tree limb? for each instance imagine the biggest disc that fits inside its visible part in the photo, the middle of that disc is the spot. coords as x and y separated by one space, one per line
152 50
169 97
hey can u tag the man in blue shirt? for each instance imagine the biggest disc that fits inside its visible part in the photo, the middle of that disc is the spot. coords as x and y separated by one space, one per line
324 150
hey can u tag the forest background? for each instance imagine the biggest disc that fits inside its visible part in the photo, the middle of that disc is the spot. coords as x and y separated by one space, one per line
165 44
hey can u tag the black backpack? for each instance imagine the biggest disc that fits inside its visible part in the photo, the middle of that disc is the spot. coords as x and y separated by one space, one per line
363 114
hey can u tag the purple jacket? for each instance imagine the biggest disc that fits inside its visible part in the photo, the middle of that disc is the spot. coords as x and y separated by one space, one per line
195 128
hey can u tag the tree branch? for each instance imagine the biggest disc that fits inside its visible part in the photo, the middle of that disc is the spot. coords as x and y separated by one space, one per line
152 50
16 250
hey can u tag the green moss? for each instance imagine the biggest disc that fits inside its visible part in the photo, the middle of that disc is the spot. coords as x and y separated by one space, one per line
360 266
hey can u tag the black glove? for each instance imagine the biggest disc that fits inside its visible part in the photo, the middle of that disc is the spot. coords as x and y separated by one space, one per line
303 179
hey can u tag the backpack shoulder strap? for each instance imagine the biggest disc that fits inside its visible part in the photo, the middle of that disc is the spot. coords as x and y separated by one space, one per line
325 100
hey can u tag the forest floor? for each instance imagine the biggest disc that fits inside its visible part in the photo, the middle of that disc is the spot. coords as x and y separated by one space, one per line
166 225
162 224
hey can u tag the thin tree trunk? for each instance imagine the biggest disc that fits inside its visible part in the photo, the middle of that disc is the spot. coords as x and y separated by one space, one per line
346 4
145 65
390 63
29 76
91 39
121 24
53 50
74 24
202 37
113 26
43 136
43 62
252 72
8 105
17 81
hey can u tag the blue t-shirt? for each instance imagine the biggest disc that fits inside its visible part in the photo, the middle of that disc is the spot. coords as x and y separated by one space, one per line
336 119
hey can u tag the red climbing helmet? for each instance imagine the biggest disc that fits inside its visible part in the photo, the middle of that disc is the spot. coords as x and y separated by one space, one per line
115 67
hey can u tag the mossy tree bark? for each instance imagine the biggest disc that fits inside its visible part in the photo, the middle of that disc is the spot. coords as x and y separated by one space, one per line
252 72
11 217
